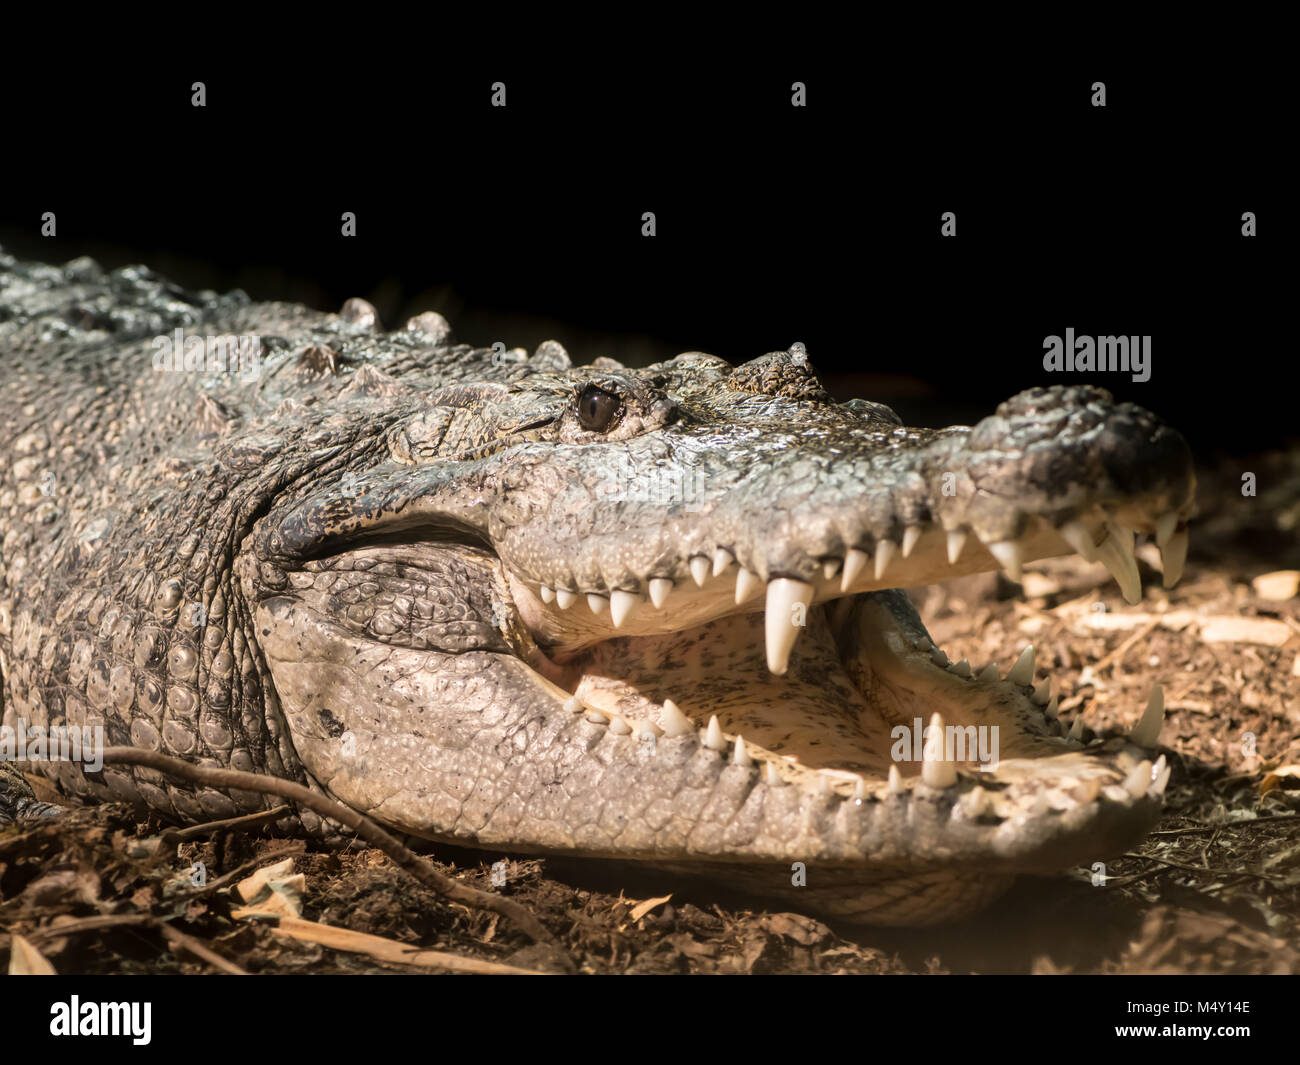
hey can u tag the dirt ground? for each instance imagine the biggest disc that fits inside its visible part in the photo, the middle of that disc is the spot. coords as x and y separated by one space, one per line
1215 889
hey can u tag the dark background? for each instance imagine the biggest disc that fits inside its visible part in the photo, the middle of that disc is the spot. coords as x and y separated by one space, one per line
775 224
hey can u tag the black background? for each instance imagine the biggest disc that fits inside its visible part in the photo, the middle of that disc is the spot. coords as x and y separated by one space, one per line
775 224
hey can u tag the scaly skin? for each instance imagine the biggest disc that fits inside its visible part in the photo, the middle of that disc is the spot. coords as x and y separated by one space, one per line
513 603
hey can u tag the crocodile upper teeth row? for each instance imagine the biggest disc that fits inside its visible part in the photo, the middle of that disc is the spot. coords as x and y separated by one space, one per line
1106 542
1141 779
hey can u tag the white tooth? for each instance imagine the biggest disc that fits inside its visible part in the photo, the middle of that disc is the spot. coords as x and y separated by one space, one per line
673 721
1160 775
1050 712
860 789
621 605
884 555
785 598
740 756
597 718
830 567
1079 536
1173 556
772 776
939 658
895 780
547 594
659 589
574 705
910 535
722 558
1166 525
956 541
1116 554
1138 779
934 771
646 730
565 598
1147 732
1087 789
596 602
1022 672
1010 556
1042 693
990 672
713 737
962 668
747 585
619 727
1076 730
700 569
823 784
975 803
854 563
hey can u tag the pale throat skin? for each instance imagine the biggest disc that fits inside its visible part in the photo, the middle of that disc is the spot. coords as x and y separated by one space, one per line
642 615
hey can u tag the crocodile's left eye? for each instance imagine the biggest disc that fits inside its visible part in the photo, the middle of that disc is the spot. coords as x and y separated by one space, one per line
597 408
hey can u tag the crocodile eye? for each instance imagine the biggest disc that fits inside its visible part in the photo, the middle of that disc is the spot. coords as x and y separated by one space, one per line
597 408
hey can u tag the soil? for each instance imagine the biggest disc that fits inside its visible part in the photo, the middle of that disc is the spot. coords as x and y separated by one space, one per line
1215 889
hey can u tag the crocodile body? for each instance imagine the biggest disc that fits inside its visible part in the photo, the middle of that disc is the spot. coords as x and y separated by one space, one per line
647 615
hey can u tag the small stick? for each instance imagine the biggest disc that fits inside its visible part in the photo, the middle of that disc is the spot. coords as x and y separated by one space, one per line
254 820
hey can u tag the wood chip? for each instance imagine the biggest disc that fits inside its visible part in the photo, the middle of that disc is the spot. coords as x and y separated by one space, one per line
26 960
1227 629
1279 585
642 908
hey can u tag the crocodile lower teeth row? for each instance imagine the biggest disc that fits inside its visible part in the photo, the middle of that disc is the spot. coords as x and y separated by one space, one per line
936 773
1109 543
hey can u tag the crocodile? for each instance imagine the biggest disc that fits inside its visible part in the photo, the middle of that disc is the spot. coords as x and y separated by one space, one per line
652 616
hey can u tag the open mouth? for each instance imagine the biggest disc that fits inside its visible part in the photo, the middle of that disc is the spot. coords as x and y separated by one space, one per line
834 684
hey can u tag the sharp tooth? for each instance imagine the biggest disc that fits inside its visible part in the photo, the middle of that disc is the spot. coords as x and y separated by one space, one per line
1166 525
975 803
956 541
1022 672
713 737
783 596
722 558
939 658
646 730
1010 556
673 721
884 555
854 563
1138 779
1042 693
1116 554
895 780
699 569
1079 536
860 789
1076 730
747 585
597 718
565 598
740 756
962 668
1172 557
910 535
621 605
596 602
1147 733
1160 776
990 672
934 770
1050 712
1087 789
659 589
830 567
924 644
823 784
772 776
574 705
619 727
547 594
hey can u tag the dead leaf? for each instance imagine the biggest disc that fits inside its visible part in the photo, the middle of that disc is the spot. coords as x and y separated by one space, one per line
1275 779
642 908
274 889
26 960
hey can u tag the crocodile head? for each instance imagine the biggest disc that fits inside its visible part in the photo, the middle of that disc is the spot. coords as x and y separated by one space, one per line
654 615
